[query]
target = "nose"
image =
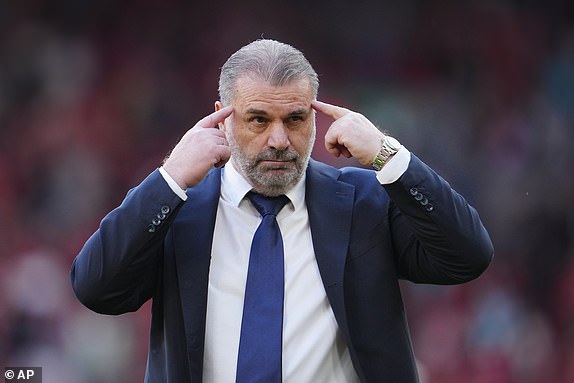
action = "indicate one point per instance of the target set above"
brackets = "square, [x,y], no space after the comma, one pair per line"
[278,136]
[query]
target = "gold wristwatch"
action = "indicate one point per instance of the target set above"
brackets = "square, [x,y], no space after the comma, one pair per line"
[389,147]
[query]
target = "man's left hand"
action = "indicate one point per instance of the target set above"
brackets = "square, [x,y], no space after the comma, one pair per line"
[351,134]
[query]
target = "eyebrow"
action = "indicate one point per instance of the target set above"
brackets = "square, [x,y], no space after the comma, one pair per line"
[261,112]
[298,112]
[256,111]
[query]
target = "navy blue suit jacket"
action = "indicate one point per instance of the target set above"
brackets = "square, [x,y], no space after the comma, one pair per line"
[366,237]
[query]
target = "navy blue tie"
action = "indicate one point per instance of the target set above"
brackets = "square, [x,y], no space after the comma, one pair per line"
[261,338]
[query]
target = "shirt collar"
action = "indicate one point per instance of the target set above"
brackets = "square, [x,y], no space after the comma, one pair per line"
[234,187]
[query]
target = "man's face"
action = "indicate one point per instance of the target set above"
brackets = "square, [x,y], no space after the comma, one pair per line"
[271,133]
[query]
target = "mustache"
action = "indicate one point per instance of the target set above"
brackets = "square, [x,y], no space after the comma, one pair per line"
[277,155]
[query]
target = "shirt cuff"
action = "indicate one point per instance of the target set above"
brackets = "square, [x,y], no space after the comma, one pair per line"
[173,185]
[395,167]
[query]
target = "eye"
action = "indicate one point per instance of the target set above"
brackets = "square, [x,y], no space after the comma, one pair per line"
[259,120]
[295,118]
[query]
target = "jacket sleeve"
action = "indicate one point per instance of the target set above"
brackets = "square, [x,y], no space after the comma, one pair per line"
[437,236]
[117,268]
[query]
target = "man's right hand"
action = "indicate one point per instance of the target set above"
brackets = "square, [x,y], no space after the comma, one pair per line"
[201,147]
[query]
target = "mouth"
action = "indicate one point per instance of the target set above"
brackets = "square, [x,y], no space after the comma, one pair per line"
[276,164]
[277,161]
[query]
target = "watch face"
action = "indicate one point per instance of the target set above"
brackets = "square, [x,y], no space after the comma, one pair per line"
[392,143]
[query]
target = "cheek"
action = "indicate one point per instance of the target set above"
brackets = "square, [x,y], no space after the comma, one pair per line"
[249,144]
[238,131]
[300,140]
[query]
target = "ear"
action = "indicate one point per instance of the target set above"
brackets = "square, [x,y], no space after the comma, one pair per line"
[218,106]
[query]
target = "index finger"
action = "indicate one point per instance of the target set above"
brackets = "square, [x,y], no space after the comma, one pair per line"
[216,117]
[331,110]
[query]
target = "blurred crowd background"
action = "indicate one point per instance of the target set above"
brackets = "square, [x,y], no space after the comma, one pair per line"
[93,94]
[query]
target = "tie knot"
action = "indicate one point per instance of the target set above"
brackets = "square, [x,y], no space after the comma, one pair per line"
[267,205]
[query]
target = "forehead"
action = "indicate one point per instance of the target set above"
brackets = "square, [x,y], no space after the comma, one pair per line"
[251,93]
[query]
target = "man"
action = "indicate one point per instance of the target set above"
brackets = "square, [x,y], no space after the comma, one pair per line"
[183,238]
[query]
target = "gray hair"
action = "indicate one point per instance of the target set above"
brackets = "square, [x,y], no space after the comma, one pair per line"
[269,60]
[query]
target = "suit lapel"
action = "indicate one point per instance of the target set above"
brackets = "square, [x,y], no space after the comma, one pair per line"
[330,207]
[193,236]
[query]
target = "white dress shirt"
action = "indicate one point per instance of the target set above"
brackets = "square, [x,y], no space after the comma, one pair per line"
[313,349]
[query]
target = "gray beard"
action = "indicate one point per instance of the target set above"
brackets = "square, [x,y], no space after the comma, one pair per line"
[261,178]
